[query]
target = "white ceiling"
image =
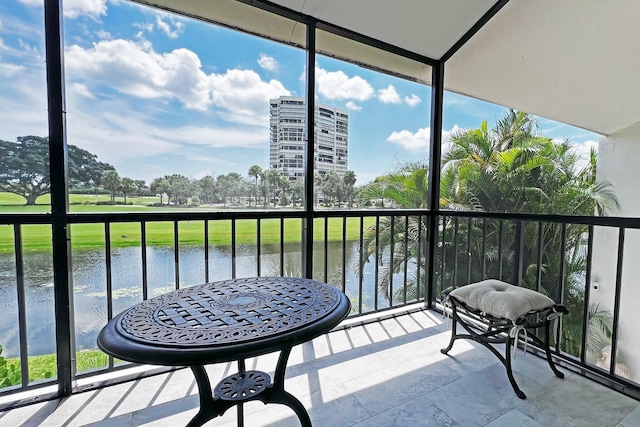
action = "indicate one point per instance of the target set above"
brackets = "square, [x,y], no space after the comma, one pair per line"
[574,61]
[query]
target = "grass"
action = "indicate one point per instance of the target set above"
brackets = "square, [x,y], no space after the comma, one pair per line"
[92,236]
[44,366]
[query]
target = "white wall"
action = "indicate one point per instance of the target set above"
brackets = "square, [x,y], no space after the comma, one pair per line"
[619,163]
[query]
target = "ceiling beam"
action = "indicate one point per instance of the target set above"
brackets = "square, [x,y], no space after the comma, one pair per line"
[340,31]
[473,30]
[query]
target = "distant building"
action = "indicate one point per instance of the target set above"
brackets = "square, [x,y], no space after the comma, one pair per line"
[287,144]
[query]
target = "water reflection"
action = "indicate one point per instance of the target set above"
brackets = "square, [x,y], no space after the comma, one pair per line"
[89,275]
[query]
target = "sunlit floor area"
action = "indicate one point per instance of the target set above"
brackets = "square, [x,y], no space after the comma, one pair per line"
[385,373]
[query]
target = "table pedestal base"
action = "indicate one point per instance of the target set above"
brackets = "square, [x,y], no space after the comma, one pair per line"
[243,387]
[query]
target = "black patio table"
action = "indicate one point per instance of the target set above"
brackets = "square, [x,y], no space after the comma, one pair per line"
[227,321]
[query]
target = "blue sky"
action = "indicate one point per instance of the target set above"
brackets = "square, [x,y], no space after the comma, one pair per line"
[155,94]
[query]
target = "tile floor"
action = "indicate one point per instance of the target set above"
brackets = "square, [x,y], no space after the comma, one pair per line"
[387,373]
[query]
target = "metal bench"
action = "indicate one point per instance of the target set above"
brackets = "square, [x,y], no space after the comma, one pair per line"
[494,312]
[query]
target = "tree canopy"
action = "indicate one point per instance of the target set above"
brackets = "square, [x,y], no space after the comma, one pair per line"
[24,167]
[512,168]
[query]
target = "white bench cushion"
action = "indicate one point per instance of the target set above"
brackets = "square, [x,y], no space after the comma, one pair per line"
[500,299]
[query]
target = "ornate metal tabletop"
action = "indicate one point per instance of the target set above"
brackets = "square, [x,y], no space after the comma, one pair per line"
[225,321]
[233,311]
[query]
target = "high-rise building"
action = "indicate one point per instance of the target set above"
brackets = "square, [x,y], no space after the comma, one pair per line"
[287,144]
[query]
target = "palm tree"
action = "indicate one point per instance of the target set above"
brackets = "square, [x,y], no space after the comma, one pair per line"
[349,181]
[406,187]
[255,172]
[159,186]
[511,168]
[127,186]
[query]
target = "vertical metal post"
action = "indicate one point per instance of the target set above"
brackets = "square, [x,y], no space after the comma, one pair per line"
[63,295]
[456,231]
[519,254]
[469,232]
[377,267]
[392,250]
[616,302]
[539,266]
[419,258]
[233,248]
[435,157]
[258,244]
[344,253]
[281,246]
[307,226]
[587,297]
[326,249]
[484,248]
[143,248]
[22,305]
[206,250]
[176,253]
[406,258]
[361,264]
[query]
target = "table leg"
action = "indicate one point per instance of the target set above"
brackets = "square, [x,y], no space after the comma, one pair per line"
[209,407]
[212,405]
[277,394]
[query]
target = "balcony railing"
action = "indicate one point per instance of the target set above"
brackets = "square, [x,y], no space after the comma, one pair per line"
[380,259]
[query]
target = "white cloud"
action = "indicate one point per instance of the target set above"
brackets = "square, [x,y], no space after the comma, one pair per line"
[172,33]
[418,141]
[389,95]
[353,106]
[81,89]
[267,62]
[134,68]
[412,100]
[75,8]
[244,95]
[103,35]
[10,70]
[337,85]
[145,26]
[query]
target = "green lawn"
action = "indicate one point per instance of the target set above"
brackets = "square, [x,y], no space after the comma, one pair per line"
[92,236]
[44,366]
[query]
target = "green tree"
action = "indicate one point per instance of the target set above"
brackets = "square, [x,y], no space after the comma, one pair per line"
[297,192]
[159,186]
[180,187]
[332,188]
[512,168]
[255,172]
[141,188]
[284,186]
[349,182]
[318,180]
[110,181]
[85,170]
[24,167]
[273,182]
[207,189]
[127,186]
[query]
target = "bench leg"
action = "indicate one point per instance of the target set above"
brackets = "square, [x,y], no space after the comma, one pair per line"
[453,335]
[547,350]
[507,364]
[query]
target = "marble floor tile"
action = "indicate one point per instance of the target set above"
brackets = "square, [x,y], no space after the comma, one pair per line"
[513,418]
[580,402]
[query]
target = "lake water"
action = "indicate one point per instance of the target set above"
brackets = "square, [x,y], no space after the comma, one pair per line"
[90,278]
